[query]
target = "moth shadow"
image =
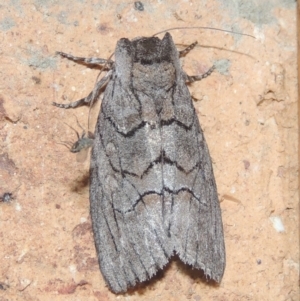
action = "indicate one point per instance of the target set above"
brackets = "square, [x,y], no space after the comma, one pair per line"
[81,183]
[144,287]
[195,274]
[182,268]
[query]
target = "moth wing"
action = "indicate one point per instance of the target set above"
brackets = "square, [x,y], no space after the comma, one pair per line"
[196,223]
[194,218]
[126,193]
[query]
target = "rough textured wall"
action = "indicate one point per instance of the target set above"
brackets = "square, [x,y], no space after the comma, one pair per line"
[248,111]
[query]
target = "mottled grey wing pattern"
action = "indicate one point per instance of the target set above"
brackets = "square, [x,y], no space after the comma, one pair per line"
[152,189]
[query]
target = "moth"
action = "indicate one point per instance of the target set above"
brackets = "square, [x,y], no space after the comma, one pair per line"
[152,188]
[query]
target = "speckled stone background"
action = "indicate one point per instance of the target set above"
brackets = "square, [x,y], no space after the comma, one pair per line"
[248,111]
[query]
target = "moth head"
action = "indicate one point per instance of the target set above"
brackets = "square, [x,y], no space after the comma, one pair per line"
[153,50]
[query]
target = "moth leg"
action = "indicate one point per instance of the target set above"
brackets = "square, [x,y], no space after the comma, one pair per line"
[92,61]
[90,98]
[187,49]
[190,79]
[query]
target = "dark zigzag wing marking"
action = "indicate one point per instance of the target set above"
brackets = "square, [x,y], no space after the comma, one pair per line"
[141,125]
[160,194]
[131,133]
[159,159]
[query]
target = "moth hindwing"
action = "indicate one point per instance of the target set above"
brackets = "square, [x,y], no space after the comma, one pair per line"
[152,188]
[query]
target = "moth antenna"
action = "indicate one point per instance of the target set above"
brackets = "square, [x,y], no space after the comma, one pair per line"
[204,27]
